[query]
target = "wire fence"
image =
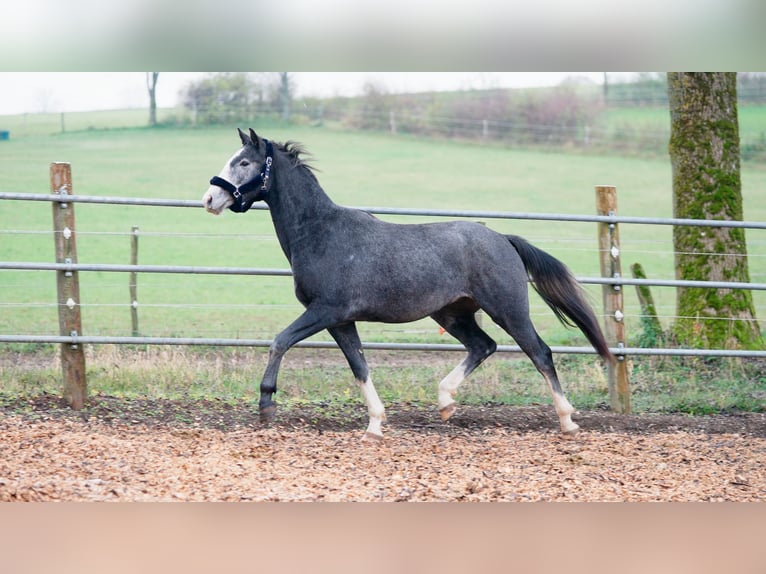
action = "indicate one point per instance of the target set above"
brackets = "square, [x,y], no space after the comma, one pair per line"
[70,267]
[478,118]
[69,304]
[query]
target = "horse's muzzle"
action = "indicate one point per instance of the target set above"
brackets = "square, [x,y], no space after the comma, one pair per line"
[207,203]
[215,200]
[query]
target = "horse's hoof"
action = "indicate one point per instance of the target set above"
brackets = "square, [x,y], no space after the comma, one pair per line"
[448,411]
[267,413]
[372,438]
[571,433]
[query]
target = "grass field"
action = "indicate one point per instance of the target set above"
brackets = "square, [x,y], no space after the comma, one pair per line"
[46,124]
[752,120]
[355,169]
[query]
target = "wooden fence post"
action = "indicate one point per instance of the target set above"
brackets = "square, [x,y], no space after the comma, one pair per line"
[133,281]
[614,315]
[70,319]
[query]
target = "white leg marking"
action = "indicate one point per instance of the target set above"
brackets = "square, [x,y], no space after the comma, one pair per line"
[448,386]
[375,408]
[564,410]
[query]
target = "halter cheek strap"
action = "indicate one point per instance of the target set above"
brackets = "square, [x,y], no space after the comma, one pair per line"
[243,195]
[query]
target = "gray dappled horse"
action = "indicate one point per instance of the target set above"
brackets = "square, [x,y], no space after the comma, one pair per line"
[349,266]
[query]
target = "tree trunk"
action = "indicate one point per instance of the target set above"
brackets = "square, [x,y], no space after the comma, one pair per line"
[704,153]
[151,86]
[285,94]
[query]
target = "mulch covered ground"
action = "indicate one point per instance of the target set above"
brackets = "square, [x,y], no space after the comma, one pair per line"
[134,450]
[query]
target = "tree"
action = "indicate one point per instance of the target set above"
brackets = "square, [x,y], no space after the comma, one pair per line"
[705,159]
[374,108]
[285,94]
[151,85]
[222,98]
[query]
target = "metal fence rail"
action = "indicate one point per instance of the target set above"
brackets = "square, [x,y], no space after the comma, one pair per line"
[63,198]
[106,267]
[218,342]
[198,270]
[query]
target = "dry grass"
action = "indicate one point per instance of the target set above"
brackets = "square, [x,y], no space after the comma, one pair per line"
[322,376]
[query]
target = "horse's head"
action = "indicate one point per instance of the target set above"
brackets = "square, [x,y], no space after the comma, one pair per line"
[244,179]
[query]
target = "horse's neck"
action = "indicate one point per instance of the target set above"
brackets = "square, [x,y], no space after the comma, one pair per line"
[298,207]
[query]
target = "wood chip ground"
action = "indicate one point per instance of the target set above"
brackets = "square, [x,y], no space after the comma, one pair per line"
[485,454]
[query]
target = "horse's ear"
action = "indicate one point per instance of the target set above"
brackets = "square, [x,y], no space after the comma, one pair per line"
[243,137]
[254,137]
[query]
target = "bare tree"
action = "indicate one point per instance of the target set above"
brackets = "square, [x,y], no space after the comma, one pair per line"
[151,85]
[705,157]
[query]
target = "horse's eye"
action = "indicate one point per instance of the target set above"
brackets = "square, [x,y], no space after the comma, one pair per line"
[244,163]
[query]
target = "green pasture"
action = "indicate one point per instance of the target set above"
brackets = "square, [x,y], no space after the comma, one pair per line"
[648,128]
[46,124]
[363,169]
[752,119]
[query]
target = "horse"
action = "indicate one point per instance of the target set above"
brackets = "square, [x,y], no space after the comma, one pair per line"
[350,266]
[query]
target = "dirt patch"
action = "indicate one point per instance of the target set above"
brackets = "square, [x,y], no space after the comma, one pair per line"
[327,416]
[118,449]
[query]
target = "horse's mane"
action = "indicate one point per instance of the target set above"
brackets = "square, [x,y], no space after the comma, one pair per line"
[298,154]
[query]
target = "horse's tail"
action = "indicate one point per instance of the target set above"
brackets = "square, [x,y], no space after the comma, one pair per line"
[560,290]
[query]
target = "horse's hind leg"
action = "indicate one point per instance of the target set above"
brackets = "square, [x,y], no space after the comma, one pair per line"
[543,360]
[523,332]
[348,340]
[464,328]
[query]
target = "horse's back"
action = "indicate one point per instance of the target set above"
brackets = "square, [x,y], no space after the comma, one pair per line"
[390,272]
[443,250]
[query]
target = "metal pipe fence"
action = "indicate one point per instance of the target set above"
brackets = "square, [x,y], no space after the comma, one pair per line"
[449,213]
[73,338]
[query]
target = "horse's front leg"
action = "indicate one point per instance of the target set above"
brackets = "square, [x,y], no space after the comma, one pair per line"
[266,405]
[348,340]
[309,323]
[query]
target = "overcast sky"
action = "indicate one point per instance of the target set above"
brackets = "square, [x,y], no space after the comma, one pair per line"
[22,92]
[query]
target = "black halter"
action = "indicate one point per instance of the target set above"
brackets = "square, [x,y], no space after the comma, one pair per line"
[243,195]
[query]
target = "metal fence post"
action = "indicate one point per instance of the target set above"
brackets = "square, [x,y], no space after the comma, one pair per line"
[614,315]
[70,319]
[133,281]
